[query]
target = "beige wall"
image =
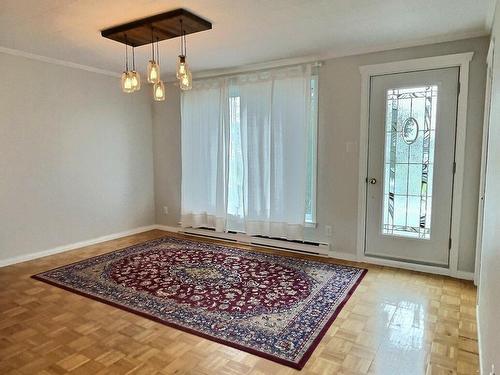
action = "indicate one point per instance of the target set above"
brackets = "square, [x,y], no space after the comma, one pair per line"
[76,158]
[167,157]
[339,119]
[339,126]
[489,283]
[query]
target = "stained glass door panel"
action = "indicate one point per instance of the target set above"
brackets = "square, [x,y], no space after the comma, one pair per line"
[410,127]
[411,143]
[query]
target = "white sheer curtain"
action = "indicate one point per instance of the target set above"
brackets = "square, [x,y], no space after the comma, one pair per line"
[274,115]
[247,169]
[204,162]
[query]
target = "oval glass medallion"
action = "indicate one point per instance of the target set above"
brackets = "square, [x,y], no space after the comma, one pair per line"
[410,130]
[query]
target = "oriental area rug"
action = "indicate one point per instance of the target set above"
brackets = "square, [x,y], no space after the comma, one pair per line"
[272,306]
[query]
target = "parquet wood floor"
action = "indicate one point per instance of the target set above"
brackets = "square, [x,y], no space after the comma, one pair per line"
[397,322]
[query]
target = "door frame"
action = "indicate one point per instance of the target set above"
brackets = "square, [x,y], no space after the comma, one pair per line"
[484,154]
[460,60]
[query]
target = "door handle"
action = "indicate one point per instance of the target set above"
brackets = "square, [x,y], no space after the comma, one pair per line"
[372,181]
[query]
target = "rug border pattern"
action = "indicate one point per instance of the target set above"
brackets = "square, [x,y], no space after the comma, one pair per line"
[296,365]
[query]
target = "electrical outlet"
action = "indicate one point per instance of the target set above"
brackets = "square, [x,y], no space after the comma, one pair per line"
[165,210]
[328,230]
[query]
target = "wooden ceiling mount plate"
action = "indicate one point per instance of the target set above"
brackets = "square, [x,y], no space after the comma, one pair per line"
[163,26]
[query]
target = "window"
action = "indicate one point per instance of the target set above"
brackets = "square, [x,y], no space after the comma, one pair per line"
[409,161]
[235,180]
[312,155]
[249,152]
[235,188]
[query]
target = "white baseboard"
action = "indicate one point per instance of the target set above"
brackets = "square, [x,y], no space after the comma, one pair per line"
[464,275]
[479,341]
[343,256]
[73,246]
[316,248]
[378,261]
[332,254]
[417,267]
[167,228]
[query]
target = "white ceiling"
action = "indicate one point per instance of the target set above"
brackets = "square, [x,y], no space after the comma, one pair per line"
[244,31]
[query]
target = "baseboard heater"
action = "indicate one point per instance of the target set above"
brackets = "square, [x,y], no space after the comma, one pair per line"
[306,247]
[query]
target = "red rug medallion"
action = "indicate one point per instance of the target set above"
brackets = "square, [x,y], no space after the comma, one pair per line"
[272,306]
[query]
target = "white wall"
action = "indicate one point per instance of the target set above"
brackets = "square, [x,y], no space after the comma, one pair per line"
[167,156]
[339,124]
[76,156]
[76,159]
[489,283]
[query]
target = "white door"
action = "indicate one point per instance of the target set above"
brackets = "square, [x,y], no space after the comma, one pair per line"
[410,172]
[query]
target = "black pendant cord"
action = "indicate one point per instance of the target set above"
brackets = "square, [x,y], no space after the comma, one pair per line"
[126,53]
[152,45]
[185,44]
[133,58]
[182,42]
[157,51]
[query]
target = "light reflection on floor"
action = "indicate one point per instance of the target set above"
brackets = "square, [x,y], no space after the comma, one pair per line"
[396,323]
[423,326]
[402,352]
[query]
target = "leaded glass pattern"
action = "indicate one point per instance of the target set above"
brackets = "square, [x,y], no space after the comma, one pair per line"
[410,128]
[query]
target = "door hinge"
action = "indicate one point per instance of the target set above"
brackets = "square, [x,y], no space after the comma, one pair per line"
[454,167]
[449,244]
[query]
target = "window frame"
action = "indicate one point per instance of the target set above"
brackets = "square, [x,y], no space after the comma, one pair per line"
[310,219]
[313,124]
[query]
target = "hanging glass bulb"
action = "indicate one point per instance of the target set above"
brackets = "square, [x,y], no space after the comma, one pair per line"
[159,91]
[182,72]
[127,83]
[153,71]
[158,87]
[182,67]
[186,81]
[153,66]
[135,80]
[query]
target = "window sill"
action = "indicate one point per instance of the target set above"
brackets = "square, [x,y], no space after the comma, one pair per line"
[310,225]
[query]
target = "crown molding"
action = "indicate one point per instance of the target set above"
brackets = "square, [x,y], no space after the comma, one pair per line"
[258,66]
[274,63]
[410,44]
[210,73]
[50,60]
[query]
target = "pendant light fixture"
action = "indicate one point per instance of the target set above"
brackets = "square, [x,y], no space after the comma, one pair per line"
[158,87]
[186,81]
[153,67]
[126,81]
[159,91]
[135,77]
[181,64]
[184,74]
[152,30]
[181,67]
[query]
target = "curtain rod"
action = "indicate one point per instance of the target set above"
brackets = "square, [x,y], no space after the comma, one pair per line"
[216,73]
